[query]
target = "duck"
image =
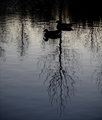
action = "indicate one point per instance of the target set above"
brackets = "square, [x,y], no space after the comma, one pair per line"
[51,34]
[64,26]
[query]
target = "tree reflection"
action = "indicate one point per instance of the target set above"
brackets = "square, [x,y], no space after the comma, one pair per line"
[97,74]
[59,70]
[94,44]
[23,42]
[2,53]
[2,49]
[61,83]
[92,35]
[3,35]
[98,78]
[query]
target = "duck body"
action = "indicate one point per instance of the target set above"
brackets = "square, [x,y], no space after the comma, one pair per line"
[52,34]
[64,26]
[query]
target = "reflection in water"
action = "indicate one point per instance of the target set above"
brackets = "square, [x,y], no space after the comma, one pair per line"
[3,36]
[2,51]
[93,35]
[98,75]
[22,94]
[62,78]
[61,81]
[59,69]
[23,44]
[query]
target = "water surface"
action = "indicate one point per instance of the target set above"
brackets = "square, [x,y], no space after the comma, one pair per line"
[50,80]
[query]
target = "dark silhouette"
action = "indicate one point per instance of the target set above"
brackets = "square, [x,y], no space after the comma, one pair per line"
[51,34]
[64,26]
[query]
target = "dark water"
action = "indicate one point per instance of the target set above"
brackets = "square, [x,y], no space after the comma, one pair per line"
[58,79]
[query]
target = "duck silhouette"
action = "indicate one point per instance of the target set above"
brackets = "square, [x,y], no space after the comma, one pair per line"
[51,34]
[64,26]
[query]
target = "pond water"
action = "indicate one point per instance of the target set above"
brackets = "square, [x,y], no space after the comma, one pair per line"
[58,79]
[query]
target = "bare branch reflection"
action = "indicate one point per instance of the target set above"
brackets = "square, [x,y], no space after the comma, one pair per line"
[3,37]
[59,71]
[98,78]
[99,81]
[2,53]
[92,38]
[23,42]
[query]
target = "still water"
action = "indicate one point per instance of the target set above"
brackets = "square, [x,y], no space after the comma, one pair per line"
[58,79]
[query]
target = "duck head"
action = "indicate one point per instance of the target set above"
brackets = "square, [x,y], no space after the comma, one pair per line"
[45,31]
[58,21]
